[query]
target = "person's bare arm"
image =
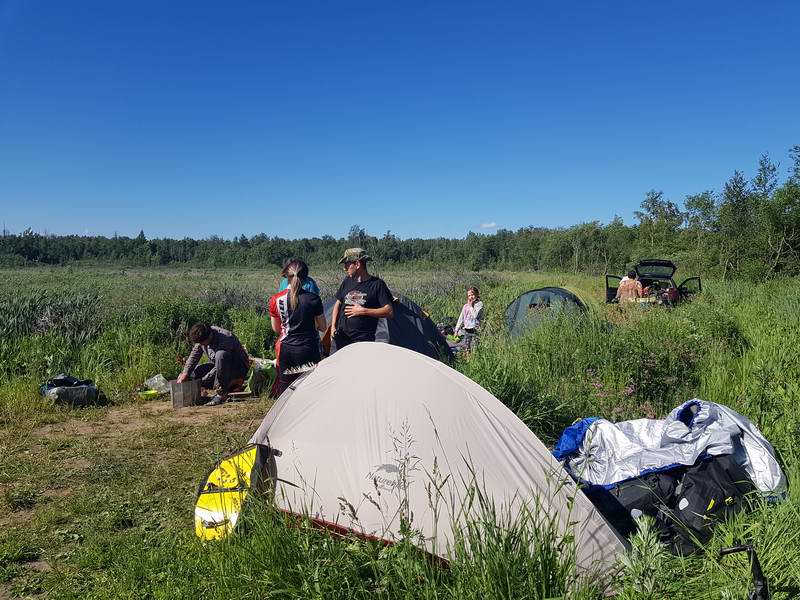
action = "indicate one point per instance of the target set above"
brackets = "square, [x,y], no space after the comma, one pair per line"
[322,325]
[276,324]
[335,316]
[355,310]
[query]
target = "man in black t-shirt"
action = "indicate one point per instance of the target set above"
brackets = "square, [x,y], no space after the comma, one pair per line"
[361,300]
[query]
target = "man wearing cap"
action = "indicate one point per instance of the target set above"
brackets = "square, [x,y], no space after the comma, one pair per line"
[365,299]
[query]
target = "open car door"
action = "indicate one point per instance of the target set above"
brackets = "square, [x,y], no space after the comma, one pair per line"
[690,287]
[612,284]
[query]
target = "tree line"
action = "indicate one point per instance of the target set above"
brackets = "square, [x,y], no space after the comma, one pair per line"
[750,229]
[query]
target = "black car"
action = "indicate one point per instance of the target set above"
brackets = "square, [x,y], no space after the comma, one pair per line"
[656,277]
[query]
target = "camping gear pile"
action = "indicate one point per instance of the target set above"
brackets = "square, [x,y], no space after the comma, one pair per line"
[700,465]
[410,441]
[66,390]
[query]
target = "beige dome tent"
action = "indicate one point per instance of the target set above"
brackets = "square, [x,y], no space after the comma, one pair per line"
[371,435]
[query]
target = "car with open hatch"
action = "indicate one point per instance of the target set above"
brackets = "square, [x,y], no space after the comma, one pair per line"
[657,278]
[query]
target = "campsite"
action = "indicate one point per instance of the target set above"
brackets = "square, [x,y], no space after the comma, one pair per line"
[99,502]
[399,300]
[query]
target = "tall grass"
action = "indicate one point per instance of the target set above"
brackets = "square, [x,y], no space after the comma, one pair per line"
[737,344]
[287,557]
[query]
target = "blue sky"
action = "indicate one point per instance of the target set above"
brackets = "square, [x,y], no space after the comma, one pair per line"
[423,118]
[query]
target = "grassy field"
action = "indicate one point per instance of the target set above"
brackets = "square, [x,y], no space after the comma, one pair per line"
[97,503]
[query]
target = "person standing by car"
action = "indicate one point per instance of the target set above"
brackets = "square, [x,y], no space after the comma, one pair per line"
[228,361]
[365,299]
[629,289]
[296,315]
[469,321]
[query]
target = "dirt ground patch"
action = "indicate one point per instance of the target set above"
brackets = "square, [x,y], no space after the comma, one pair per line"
[120,422]
[77,463]
[41,566]
[75,446]
[16,517]
[61,492]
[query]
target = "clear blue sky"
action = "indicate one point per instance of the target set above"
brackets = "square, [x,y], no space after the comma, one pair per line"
[423,118]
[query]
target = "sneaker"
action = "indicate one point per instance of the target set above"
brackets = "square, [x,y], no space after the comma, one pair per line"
[216,401]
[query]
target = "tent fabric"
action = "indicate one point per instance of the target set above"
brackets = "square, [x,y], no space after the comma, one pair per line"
[410,328]
[529,308]
[363,437]
[610,453]
[222,493]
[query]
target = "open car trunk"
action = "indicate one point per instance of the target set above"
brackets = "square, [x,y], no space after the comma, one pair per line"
[655,268]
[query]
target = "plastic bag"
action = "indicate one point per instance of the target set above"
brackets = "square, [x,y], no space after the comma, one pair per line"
[158,383]
[71,391]
[77,396]
[262,376]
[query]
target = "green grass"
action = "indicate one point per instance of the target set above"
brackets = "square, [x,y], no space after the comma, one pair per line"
[98,503]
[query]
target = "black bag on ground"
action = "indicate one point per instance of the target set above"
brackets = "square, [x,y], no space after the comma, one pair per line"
[66,390]
[651,494]
[711,491]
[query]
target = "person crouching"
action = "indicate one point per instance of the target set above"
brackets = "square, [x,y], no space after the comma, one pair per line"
[228,362]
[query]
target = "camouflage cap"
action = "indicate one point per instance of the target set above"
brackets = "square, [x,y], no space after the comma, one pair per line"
[354,254]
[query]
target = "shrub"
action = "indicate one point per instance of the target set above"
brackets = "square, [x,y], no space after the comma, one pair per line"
[168,321]
[75,317]
[253,330]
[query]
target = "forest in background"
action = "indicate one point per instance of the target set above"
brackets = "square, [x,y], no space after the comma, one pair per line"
[750,230]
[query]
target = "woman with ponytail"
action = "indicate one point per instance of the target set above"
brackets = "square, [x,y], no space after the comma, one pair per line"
[296,315]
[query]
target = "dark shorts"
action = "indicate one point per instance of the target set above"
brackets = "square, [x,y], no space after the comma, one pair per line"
[340,340]
[293,356]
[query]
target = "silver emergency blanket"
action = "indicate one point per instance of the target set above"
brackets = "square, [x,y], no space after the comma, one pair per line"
[613,452]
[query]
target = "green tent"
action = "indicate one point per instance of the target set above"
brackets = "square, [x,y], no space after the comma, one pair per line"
[531,307]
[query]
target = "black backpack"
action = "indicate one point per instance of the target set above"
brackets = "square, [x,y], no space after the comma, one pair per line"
[713,490]
[652,494]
